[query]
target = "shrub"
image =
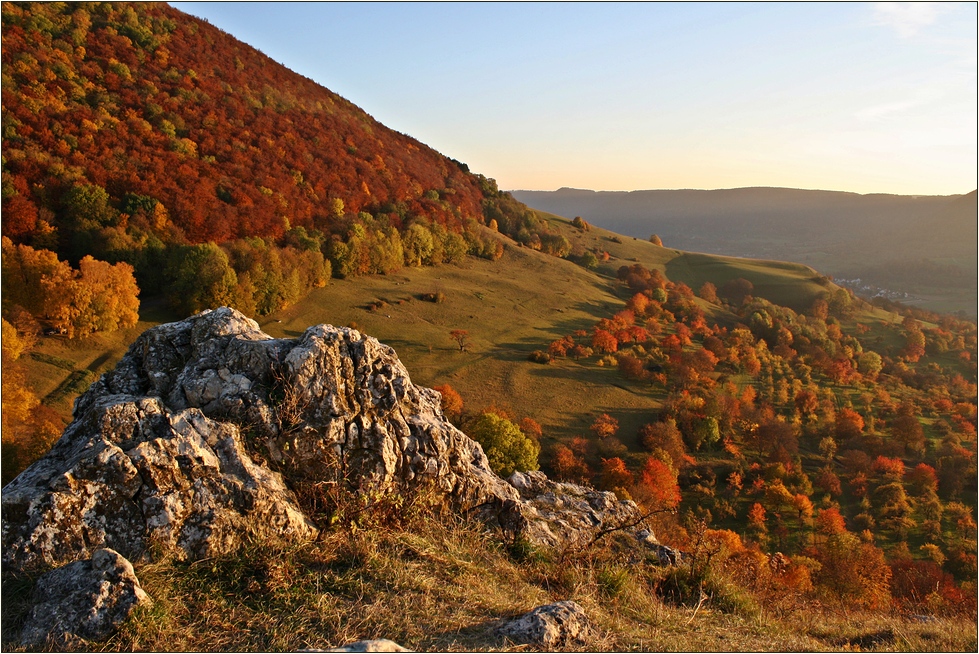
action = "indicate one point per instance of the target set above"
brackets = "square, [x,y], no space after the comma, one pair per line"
[686,586]
[539,356]
[507,448]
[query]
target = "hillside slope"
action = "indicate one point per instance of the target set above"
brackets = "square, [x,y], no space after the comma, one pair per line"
[925,246]
[143,99]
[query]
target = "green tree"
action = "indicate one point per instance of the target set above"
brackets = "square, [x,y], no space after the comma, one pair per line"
[200,277]
[507,448]
[86,207]
[870,364]
[418,245]
[589,260]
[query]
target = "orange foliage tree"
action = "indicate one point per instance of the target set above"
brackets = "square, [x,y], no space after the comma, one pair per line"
[605,426]
[657,485]
[616,477]
[569,466]
[451,401]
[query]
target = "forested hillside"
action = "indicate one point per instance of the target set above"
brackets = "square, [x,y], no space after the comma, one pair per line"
[142,100]
[135,133]
[810,453]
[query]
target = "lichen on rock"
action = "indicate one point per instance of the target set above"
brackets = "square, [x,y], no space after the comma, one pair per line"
[549,626]
[84,599]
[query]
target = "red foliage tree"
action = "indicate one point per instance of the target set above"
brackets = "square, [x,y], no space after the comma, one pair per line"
[605,342]
[922,479]
[888,468]
[657,485]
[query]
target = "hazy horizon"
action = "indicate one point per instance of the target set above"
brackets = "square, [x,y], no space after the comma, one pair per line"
[732,188]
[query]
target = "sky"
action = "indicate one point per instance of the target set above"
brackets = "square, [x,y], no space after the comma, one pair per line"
[861,97]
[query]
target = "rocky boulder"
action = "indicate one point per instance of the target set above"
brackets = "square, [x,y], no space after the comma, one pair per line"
[85,599]
[128,472]
[664,554]
[192,442]
[549,626]
[559,514]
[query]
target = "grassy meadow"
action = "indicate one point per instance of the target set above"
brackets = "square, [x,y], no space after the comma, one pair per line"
[416,583]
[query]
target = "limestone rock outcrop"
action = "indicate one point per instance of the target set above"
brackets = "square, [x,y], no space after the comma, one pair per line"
[166,448]
[128,473]
[559,514]
[191,442]
[549,626]
[84,599]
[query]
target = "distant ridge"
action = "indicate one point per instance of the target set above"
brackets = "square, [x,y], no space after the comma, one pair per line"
[915,244]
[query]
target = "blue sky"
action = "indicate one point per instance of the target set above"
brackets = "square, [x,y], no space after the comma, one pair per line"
[864,97]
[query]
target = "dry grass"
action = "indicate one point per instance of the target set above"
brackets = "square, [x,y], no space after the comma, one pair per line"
[441,584]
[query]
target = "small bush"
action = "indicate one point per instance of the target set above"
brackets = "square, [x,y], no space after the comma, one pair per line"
[612,581]
[521,550]
[681,586]
[438,297]
[539,356]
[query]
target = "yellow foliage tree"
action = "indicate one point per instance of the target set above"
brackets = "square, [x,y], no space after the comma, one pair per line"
[28,427]
[97,297]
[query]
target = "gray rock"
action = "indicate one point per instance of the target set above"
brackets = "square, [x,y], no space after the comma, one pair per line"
[378,645]
[170,449]
[167,448]
[665,554]
[559,514]
[85,599]
[549,626]
[128,472]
